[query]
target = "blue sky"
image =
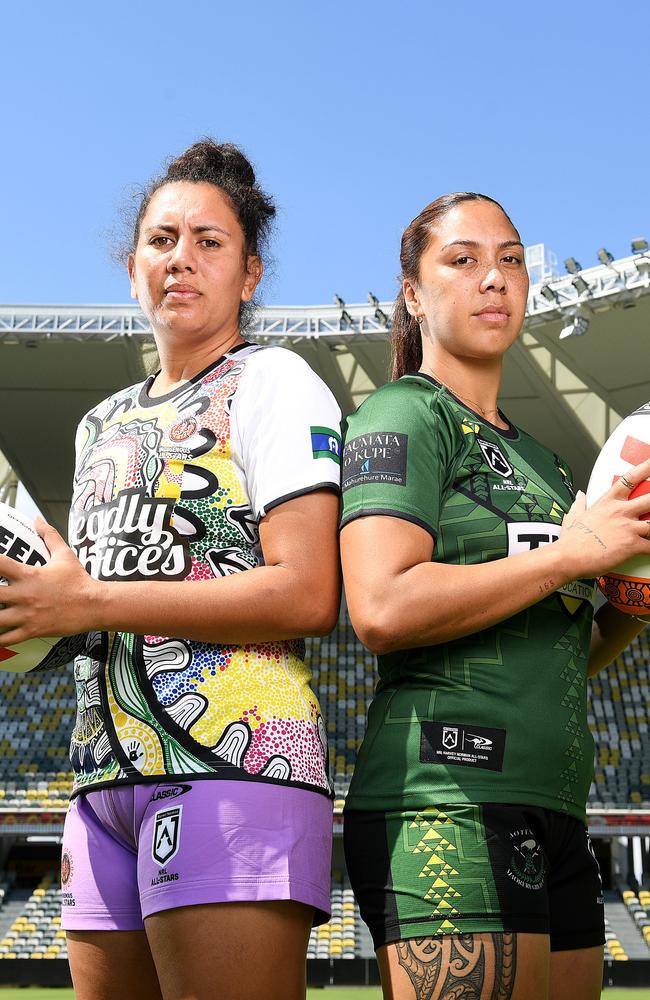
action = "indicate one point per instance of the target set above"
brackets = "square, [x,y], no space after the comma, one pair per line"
[355,114]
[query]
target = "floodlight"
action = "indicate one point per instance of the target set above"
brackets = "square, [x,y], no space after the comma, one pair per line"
[380,315]
[576,328]
[572,265]
[580,285]
[604,256]
[345,315]
[549,293]
[639,245]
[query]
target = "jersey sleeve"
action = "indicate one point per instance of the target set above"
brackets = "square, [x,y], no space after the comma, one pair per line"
[287,428]
[396,458]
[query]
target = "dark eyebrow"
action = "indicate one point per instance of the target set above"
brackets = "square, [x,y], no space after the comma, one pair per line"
[474,244]
[208,229]
[195,229]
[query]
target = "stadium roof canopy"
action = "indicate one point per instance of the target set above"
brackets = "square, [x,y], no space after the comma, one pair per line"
[569,391]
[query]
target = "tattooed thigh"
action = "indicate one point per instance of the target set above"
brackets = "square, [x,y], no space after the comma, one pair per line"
[460,966]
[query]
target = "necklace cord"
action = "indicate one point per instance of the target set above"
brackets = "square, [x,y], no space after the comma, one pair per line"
[463,399]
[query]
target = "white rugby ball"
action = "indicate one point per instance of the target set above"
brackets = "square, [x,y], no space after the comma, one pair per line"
[20,541]
[627,586]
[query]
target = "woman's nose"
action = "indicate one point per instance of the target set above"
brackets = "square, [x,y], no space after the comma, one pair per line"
[493,280]
[182,257]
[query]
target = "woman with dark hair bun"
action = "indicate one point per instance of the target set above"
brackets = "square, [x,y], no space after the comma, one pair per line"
[203,534]
[465,825]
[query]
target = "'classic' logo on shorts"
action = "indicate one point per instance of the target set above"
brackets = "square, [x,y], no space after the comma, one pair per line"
[166,835]
[378,457]
[170,792]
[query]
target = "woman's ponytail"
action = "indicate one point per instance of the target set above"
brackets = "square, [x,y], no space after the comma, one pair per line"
[406,338]
[405,341]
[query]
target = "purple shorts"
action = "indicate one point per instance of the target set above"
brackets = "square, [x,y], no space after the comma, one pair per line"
[132,851]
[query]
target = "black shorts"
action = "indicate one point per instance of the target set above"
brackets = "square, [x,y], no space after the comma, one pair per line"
[469,869]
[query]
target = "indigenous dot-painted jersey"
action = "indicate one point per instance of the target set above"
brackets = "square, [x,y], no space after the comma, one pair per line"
[173,488]
[500,715]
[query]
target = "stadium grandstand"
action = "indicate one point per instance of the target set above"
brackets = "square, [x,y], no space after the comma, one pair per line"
[574,374]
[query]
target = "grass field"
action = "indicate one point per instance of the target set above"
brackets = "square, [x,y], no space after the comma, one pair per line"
[329,993]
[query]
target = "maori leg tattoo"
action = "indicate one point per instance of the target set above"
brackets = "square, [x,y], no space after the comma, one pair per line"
[460,966]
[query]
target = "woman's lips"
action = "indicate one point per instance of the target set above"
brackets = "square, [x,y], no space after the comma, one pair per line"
[181,292]
[495,315]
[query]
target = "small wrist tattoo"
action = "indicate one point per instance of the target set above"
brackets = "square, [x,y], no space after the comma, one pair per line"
[546,586]
[586,530]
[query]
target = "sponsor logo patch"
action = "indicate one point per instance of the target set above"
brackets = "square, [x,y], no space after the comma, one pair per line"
[378,457]
[523,536]
[166,835]
[326,443]
[130,538]
[574,593]
[464,745]
[17,549]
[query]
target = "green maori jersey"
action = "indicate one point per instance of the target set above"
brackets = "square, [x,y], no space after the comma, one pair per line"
[500,715]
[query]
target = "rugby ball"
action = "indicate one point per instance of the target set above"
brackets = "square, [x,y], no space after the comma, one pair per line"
[627,586]
[20,541]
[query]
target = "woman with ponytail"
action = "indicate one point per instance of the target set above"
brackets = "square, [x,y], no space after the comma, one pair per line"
[203,527]
[465,825]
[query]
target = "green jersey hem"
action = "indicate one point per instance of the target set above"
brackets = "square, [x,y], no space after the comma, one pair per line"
[470,795]
[388,512]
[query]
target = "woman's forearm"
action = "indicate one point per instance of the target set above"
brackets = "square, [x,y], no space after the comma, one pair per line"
[434,602]
[266,603]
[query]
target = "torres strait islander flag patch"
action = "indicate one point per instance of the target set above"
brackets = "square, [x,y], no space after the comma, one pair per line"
[326,443]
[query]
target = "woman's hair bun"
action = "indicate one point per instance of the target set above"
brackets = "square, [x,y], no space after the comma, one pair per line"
[216,163]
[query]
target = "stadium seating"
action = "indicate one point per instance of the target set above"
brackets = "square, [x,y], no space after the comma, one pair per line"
[619,708]
[344,681]
[37,712]
[639,910]
[345,935]
[37,933]
[614,950]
